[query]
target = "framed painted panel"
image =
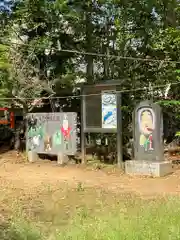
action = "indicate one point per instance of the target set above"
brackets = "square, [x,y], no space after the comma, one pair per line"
[52,133]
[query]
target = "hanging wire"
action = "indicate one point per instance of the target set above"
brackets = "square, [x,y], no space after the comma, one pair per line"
[93,94]
[99,55]
[148,59]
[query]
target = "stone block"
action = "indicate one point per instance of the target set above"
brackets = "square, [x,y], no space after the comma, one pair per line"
[148,168]
[32,156]
[62,159]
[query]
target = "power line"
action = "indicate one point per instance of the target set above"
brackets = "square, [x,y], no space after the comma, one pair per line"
[117,57]
[95,94]
[103,55]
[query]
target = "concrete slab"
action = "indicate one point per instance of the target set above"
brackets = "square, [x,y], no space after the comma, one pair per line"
[148,168]
[62,159]
[32,156]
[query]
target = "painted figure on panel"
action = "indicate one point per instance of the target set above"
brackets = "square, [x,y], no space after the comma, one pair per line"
[47,143]
[146,127]
[35,132]
[57,139]
[66,130]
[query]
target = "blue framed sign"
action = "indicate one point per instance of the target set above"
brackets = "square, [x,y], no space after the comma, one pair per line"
[109,109]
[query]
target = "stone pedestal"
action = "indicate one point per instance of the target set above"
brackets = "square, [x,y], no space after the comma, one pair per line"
[62,159]
[32,156]
[148,168]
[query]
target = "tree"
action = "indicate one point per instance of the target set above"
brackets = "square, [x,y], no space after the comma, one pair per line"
[37,65]
[48,34]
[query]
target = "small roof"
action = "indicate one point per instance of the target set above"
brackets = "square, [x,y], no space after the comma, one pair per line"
[102,83]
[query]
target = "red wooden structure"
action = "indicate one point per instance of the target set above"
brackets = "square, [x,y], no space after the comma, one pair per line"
[8,117]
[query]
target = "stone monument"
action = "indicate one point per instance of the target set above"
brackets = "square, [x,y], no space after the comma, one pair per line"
[148,142]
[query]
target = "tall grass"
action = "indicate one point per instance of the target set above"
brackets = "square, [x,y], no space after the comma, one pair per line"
[92,215]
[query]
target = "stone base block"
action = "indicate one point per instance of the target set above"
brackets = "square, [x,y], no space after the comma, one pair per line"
[32,156]
[146,168]
[62,159]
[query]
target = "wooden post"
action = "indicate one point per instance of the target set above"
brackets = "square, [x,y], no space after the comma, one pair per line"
[12,120]
[83,150]
[119,131]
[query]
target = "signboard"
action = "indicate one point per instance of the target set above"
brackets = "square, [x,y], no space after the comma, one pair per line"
[109,110]
[52,133]
[101,112]
[99,108]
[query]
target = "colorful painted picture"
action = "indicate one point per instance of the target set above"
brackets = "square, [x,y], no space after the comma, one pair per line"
[35,133]
[66,131]
[109,110]
[146,121]
[47,143]
[57,139]
[52,133]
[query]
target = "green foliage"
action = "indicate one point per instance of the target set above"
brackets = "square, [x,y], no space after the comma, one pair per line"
[18,231]
[169,103]
[134,219]
[177,134]
[38,67]
[5,83]
[102,217]
[4,64]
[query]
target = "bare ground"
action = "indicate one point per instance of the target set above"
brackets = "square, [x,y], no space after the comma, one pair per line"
[16,175]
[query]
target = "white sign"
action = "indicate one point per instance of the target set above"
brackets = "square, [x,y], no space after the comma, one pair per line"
[109,110]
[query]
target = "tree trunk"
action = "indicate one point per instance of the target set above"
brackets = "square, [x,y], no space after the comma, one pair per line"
[89,58]
[106,51]
[170,13]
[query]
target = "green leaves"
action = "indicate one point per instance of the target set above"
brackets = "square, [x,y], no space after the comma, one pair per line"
[177,134]
[4,64]
[38,67]
[169,102]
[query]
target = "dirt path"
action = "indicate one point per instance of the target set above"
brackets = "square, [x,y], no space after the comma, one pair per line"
[29,176]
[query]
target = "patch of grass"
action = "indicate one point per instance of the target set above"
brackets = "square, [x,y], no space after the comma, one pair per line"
[144,220]
[19,231]
[80,213]
[80,187]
